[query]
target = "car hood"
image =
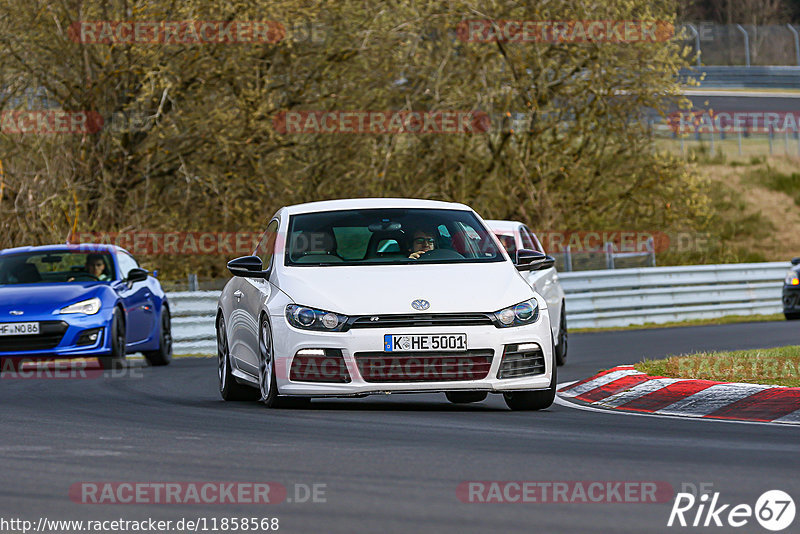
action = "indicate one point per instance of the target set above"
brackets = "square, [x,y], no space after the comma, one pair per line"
[38,299]
[390,289]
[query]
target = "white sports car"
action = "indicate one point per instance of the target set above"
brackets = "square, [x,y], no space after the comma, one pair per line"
[364,296]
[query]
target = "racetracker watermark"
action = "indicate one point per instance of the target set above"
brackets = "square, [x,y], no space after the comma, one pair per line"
[559,492]
[21,368]
[172,243]
[185,32]
[709,121]
[381,122]
[50,122]
[206,492]
[564,31]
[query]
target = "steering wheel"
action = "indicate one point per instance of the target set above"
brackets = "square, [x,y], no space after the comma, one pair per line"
[441,254]
[77,276]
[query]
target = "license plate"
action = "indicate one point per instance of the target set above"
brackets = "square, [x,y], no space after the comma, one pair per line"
[424,342]
[19,329]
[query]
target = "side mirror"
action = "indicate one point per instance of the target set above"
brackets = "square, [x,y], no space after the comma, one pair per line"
[533,260]
[795,261]
[247,266]
[136,275]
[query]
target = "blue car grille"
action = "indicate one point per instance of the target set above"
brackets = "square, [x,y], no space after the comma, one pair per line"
[49,336]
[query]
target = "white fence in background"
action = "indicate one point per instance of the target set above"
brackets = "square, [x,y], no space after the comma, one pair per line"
[594,298]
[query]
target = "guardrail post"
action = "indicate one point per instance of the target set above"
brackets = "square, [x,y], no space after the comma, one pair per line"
[193,285]
[568,259]
[651,248]
[609,248]
[770,139]
[746,45]
[796,43]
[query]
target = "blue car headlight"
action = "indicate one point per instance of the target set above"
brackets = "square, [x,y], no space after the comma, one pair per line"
[89,307]
[312,319]
[521,314]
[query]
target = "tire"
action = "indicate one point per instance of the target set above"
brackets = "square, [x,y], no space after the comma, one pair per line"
[163,355]
[229,388]
[466,397]
[267,380]
[534,400]
[561,348]
[118,343]
[792,316]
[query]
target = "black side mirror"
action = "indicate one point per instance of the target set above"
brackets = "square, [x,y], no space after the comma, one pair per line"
[533,260]
[248,267]
[136,275]
[795,261]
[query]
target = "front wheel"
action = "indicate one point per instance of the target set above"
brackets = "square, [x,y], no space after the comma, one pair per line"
[267,381]
[561,348]
[534,400]
[163,355]
[118,343]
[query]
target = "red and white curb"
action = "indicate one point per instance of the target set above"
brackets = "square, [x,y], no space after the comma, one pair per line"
[624,388]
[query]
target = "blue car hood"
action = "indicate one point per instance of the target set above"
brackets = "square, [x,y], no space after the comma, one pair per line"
[37,299]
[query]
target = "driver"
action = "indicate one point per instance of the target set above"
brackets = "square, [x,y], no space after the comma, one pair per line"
[95,266]
[422,241]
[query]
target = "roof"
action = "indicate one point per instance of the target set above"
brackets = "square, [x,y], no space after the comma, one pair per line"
[503,226]
[74,247]
[373,203]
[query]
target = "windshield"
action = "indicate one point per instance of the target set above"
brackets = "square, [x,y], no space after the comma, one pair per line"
[61,266]
[388,236]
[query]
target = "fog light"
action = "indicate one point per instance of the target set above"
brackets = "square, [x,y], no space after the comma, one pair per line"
[90,337]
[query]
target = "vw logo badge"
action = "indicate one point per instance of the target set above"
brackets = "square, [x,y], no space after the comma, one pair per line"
[16,312]
[420,304]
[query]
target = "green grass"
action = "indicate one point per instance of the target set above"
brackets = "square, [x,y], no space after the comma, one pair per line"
[777,181]
[779,366]
[730,319]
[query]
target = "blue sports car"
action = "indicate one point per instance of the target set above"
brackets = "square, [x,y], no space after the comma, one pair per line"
[71,301]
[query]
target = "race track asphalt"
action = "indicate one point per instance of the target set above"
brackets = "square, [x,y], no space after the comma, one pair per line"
[390,463]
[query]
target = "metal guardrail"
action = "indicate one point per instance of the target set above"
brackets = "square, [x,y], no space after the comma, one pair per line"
[759,77]
[662,294]
[594,298]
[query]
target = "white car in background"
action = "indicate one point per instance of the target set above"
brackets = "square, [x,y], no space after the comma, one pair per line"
[337,300]
[515,236]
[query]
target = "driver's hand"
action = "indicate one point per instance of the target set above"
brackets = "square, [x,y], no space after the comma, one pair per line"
[417,254]
[72,279]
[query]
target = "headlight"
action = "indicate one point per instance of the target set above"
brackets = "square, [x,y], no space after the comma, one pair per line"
[518,315]
[792,278]
[89,307]
[313,319]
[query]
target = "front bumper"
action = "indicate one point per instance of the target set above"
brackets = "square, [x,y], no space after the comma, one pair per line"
[52,343]
[287,341]
[791,299]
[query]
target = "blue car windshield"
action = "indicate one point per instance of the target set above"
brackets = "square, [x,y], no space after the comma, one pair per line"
[63,266]
[388,236]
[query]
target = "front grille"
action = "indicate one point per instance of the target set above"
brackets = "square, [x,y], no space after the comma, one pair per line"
[790,301]
[521,360]
[319,365]
[421,319]
[424,366]
[49,336]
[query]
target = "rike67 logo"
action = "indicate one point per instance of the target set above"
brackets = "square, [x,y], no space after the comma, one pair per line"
[774,510]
